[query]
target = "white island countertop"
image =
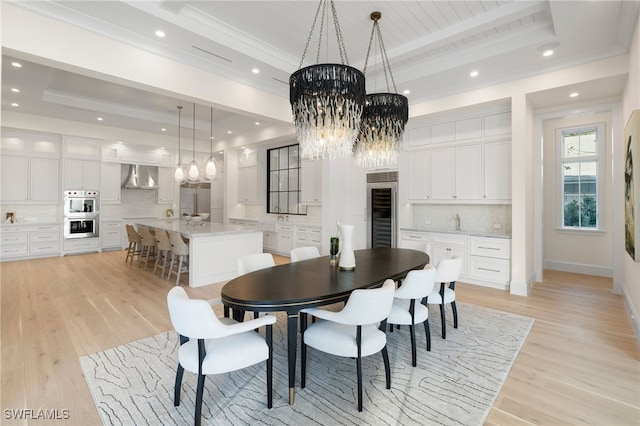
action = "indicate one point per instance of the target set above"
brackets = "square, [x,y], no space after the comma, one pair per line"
[191,229]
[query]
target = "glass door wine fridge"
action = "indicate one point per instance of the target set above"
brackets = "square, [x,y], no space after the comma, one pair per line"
[382,190]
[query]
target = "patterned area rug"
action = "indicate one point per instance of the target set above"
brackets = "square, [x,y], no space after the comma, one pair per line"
[454,384]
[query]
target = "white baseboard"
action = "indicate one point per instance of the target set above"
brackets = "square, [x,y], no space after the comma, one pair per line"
[522,288]
[579,268]
[633,315]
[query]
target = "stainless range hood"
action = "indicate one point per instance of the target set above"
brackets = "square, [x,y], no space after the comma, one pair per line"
[139,177]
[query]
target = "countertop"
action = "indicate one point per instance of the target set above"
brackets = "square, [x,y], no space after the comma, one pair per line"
[498,234]
[194,229]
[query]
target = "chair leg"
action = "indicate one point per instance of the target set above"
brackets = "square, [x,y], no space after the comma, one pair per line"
[359,373]
[444,321]
[427,332]
[199,392]
[180,260]
[387,366]
[173,257]
[270,367]
[455,314]
[155,265]
[412,330]
[176,390]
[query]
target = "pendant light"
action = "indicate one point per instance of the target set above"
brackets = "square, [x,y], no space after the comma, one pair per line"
[383,118]
[211,166]
[326,99]
[180,173]
[193,173]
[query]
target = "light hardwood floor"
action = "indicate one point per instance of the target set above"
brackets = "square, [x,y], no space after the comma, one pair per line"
[579,365]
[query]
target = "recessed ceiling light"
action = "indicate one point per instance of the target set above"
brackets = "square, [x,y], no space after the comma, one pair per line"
[160,33]
[15,90]
[13,104]
[16,64]
[406,92]
[257,123]
[255,71]
[574,95]
[473,73]
[99,119]
[163,130]
[120,142]
[229,131]
[547,53]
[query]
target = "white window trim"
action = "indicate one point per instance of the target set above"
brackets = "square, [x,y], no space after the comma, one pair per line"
[600,158]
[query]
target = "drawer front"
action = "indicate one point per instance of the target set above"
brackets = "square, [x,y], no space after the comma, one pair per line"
[81,244]
[111,225]
[416,236]
[487,269]
[491,247]
[44,247]
[450,239]
[15,250]
[45,228]
[13,238]
[284,228]
[44,236]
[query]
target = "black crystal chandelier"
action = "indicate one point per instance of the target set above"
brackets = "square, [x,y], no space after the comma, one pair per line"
[384,115]
[327,99]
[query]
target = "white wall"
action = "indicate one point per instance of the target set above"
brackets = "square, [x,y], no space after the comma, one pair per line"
[630,280]
[571,251]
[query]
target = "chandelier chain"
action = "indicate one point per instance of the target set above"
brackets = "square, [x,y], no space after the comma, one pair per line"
[386,66]
[341,47]
[306,46]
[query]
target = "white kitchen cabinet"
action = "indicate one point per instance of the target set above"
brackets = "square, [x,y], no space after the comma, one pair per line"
[248,184]
[457,173]
[81,175]
[81,245]
[110,183]
[27,179]
[285,238]
[497,170]
[416,241]
[15,178]
[269,237]
[489,261]
[29,241]
[167,186]
[311,182]
[419,175]
[308,236]
[111,234]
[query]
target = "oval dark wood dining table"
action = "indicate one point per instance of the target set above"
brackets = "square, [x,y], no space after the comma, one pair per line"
[298,285]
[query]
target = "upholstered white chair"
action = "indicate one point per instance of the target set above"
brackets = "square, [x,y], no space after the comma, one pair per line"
[448,272]
[134,243]
[212,345]
[407,306]
[304,253]
[148,246]
[357,331]
[253,262]
[163,245]
[179,252]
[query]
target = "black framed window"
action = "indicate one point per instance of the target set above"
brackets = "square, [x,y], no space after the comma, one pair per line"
[283,181]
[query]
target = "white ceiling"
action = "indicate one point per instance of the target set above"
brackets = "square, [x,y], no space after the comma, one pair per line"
[432,47]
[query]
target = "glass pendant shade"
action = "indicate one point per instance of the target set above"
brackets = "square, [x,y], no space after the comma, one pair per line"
[193,171]
[211,169]
[382,130]
[180,172]
[327,100]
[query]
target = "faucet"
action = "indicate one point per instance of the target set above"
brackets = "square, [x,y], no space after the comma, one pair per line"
[458,222]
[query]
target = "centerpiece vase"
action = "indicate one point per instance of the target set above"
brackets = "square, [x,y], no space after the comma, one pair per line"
[347,256]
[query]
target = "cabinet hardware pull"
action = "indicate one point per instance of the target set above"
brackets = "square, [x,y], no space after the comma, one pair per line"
[488,248]
[487,269]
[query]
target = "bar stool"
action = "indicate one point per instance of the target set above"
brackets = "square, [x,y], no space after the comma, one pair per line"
[164,250]
[180,250]
[134,244]
[148,243]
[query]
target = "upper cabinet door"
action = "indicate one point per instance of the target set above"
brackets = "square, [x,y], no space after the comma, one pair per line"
[469,172]
[420,175]
[311,182]
[166,185]
[110,183]
[45,179]
[81,175]
[443,174]
[14,172]
[497,170]
[91,175]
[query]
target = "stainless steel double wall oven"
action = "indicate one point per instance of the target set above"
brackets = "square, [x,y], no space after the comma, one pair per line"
[81,214]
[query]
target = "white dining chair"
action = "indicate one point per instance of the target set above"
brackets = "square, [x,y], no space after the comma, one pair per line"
[448,272]
[303,253]
[407,306]
[212,345]
[253,262]
[357,331]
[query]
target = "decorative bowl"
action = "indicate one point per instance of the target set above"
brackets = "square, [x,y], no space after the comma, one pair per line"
[196,218]
[204,216]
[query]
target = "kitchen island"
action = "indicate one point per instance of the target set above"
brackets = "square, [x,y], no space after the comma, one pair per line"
[214,248]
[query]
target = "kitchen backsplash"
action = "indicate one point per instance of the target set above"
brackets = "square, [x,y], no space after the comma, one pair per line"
[33,213]
[473,217]
[136,203]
